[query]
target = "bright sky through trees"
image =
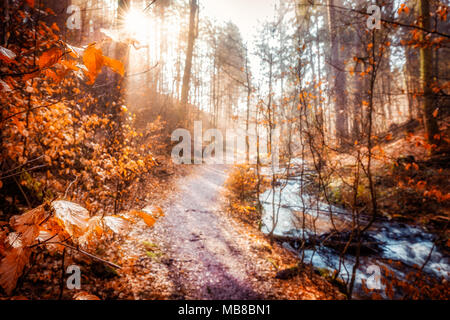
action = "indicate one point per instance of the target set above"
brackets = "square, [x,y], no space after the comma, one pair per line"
[244,13]
[247,15]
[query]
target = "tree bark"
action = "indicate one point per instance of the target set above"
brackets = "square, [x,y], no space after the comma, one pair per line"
[189,53]
[339,75]
[121,49]
[249,96]
[426,69]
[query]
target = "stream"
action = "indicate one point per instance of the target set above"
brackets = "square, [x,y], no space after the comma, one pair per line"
[299,216]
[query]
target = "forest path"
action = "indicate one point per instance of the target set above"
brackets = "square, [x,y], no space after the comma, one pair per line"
[204,253]
[208,259]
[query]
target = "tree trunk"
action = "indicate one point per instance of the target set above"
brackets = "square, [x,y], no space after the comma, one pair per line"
[121,49]
[339,75]
[426,69]
[60,17]
[190,49]
[249,96]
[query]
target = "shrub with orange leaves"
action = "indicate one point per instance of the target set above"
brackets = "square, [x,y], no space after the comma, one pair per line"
[242,182]
[62,138]
[57,130]
[241,190]
[417,285]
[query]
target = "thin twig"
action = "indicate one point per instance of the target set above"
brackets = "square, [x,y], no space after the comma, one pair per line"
[85,253]
[139,73]
[19,173]
[18,167]
[70,184]
[149,5]
[61,283]
[23,192]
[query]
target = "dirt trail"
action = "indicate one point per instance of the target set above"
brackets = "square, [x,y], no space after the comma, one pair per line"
[208,255]
[207,259]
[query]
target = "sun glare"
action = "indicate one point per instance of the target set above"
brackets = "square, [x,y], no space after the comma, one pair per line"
[138,25]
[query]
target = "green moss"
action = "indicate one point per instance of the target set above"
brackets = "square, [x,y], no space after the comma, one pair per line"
[152,250]
[324,272]
[149,245]
[273,263]
[335,195]
[154,255]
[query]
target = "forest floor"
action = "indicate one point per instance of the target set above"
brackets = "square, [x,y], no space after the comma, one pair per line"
[197,251]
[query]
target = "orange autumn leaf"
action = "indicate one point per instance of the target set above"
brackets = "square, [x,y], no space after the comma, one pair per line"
[435,113]
[52,75]
[421,184]
[71,216]
[50,11]
[49,58]
[83,295]
[18,249]
[19,298]
[55,27]
[7,55]
[148,219]
[159,211]
[27,224]
[30,3]
[94,60]
[70,64]
[115,223]
[155,211]
[403,8]
[32,75]
[115,65]
[11,267]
